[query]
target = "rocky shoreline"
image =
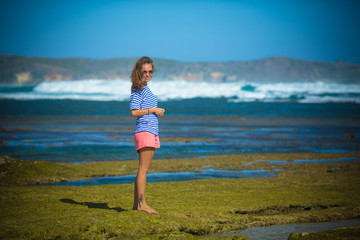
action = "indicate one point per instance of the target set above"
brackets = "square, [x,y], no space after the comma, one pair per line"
[301,193]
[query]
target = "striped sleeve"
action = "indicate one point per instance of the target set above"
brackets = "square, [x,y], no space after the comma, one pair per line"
[135,100]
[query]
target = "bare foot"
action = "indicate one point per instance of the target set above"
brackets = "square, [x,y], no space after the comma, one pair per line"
[147,209]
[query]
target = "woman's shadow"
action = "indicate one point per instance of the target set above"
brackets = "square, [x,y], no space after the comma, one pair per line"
[92,205]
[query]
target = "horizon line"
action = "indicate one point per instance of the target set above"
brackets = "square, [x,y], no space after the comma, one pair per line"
[169,59]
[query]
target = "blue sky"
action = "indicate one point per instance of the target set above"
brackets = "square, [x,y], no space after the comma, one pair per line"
[190,31]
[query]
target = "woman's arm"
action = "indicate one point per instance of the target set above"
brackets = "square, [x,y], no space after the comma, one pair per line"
[141,112]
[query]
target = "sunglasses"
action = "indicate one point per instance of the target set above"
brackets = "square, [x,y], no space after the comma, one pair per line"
[150,72]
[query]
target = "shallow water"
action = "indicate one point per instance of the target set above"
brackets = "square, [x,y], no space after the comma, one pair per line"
[169,177]
[87,139]
[282,232]
[86,131]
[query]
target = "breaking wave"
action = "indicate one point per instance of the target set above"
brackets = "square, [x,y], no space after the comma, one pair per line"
[119,90]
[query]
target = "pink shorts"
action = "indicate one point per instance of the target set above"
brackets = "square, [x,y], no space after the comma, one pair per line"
[146,139]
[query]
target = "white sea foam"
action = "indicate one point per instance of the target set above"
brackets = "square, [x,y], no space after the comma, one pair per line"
[119,90]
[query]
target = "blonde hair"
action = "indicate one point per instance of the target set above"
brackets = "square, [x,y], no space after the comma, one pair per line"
[136,74]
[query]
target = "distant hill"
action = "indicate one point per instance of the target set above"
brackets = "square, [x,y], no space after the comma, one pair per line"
[31,70]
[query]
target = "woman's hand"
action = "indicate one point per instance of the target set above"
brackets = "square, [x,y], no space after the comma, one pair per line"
[158,111]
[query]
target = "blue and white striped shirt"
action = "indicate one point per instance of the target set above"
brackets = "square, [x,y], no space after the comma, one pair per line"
[144,99]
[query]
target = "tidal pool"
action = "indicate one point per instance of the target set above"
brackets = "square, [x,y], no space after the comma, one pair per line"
[169,177]
[282,232]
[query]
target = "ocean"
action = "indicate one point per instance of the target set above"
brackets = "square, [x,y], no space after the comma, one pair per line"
[89,120]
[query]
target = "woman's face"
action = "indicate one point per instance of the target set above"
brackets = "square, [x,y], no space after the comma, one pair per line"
[147,71]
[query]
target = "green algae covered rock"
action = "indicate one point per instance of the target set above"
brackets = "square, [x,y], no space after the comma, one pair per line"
[297,236]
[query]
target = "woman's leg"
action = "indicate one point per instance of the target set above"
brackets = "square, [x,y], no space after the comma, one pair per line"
[145,157]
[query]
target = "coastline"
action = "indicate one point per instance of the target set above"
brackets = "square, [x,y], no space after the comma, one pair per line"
[63,140]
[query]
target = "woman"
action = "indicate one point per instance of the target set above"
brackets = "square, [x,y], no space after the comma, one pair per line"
[143,105]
